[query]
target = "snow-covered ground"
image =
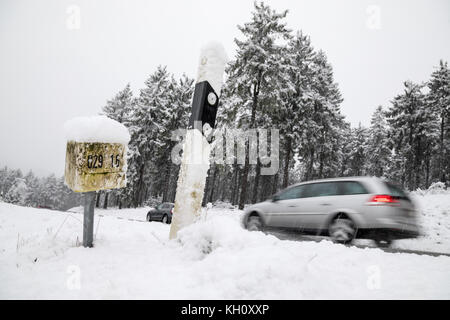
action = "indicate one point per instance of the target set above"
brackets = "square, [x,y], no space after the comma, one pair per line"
[130,214]
[40,257]
[434,219]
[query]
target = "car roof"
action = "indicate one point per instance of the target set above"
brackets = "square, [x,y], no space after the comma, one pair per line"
[354,178]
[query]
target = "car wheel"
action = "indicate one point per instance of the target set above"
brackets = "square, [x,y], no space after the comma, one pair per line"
[149,217]
[342,230]
[383,243]
[165,219]
[254,223]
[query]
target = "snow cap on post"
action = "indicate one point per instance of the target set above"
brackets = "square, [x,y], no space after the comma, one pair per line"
[211,67]
[96,129]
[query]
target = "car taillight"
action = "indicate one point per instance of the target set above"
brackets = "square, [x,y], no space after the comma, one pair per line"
[171,211]
[382,198]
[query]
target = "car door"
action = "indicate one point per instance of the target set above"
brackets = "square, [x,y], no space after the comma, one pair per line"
[166,209]
[158,212]
[353,197]
[317,201]
[281,210]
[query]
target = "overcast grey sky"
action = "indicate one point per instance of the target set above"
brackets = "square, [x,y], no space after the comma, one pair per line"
[51,71]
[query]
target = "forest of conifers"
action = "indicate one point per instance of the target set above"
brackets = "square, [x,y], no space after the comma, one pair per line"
[276,80]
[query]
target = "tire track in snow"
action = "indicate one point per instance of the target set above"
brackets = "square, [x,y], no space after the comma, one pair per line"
[294,236]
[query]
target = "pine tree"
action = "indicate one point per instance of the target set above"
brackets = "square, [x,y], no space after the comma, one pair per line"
[439,100]
[18,192]
[414,133]
[357,153]
[321,140]
[175,116]
[117,107]
[255,72]
[32,183]
[144,123]
[300,55]
[378,146]
[396,167]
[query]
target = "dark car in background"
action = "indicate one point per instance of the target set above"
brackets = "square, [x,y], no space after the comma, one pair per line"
[162,212]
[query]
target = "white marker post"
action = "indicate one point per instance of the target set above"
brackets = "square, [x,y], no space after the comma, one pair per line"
[196,148]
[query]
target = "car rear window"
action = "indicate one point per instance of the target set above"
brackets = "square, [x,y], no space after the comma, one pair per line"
[322,189]
[396,191]
[351,187]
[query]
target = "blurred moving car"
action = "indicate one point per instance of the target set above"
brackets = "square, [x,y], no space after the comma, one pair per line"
[163,212]
[342,208]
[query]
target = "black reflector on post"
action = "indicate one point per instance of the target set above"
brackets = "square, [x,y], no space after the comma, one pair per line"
[204,105]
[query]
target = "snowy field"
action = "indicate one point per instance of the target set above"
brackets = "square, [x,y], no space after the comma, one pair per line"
[41,258]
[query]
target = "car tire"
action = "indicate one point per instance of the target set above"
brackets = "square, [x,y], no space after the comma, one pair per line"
[254,223]
[342,230]
[149,217]
[165,219]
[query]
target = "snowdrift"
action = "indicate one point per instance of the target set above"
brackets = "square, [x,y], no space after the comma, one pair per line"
[40,257]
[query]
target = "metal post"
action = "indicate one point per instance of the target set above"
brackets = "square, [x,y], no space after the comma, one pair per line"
[88,219]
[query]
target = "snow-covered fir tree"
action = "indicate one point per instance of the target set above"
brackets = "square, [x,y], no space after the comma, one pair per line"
[117,107]
[378,145]
[357,151]
[414,134]
[321,147]
[439,100]
[299,65]
[257,74]
[18,192]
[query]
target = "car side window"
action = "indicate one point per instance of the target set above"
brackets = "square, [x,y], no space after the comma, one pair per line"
[160,206]
[321,189]
[291,193]
[352,187]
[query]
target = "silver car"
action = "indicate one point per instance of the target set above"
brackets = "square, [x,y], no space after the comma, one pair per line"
[342,208]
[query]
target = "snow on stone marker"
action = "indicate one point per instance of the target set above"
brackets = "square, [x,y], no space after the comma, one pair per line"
[196,148]
[95,160]
[95,154]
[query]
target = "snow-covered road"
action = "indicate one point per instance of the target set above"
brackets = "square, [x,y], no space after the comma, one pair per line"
[40,257]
